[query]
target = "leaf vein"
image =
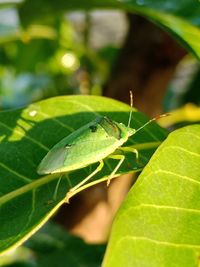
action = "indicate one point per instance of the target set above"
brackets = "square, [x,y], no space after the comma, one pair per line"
[45,115]
[24,178]
[164,207]
[26,188]
[146,130]
[25,136]
[194,135]
[158,242]
[84,106]
[182,149]
[178,175]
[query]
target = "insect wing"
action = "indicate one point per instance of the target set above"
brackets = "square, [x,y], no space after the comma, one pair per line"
[54,160]
[87,145]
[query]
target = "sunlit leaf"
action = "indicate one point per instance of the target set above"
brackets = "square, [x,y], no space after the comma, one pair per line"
[27,200]
[158,224]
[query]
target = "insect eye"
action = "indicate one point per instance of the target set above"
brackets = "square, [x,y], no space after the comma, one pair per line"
[93,128]
[67,145]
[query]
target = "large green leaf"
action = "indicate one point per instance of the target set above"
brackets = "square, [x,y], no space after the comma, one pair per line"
[178,18]
[27,200]
[159,223]
[52,246]
[187,9]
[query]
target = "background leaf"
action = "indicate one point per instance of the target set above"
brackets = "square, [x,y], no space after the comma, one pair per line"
[52,246]
[181,19]
[159,223]
[28,200]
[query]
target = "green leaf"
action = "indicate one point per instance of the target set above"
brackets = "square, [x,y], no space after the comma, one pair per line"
[27,200]
[52,246]
[187,34]
[181,19]
[158,224]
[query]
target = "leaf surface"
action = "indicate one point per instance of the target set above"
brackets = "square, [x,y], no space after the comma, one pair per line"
[159,222]
[52,246]
[27,200]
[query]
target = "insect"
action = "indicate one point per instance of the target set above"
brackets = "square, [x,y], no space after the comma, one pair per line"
[99,139]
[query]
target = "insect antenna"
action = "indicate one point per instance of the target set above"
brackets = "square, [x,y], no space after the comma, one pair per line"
[151,120]
[131,110]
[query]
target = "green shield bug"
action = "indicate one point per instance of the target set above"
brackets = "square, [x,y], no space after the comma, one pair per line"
[99,139]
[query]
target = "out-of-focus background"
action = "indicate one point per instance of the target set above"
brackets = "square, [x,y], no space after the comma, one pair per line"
[70,53]
[45,53]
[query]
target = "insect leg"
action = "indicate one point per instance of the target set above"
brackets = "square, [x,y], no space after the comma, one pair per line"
[98,169]
[56,189]
[130,149]
[121,158]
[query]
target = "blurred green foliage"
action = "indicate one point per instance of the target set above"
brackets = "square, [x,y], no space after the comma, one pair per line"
[52,246]
[42,54]
[48,60]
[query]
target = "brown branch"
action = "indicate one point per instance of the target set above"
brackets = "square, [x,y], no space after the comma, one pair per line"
[145,65]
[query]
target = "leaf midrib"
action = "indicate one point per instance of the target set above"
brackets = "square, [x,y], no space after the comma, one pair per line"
[27,187]
[39,182]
